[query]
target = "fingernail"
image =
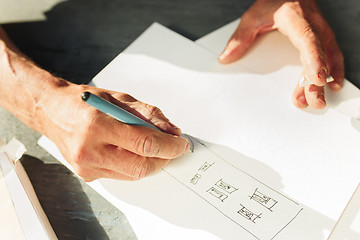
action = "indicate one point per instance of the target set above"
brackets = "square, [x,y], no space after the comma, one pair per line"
[322,75]
[221,58]
[329,78]
[187,148]
[321,98]
[223,55]
[302,101]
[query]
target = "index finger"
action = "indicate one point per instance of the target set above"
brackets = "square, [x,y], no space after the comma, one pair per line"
[290,20]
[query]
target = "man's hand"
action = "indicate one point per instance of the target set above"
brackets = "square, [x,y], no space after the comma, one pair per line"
[95,144]
[98,146]
[309,32]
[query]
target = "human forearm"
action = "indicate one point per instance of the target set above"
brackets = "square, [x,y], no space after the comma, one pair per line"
[95,144]
[23,84]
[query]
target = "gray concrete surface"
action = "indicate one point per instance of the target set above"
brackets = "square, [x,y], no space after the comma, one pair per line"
[75,39]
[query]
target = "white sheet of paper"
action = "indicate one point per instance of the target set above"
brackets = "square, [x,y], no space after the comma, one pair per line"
[22,216]
[274,57]
[246,119]
[261,60]
[9,226]
[349,223]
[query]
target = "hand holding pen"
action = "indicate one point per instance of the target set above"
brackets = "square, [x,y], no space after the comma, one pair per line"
[99,146]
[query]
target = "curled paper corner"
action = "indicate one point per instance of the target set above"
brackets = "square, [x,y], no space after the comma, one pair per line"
[15,149]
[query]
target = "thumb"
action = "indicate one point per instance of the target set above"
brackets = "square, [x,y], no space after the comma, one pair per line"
[242,39]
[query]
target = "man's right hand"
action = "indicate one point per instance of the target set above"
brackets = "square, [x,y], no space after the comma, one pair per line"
[98,146]
[95,144]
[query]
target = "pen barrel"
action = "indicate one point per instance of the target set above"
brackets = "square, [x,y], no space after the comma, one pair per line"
[115,111]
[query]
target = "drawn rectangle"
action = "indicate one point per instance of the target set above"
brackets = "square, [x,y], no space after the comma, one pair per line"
[225,186]
[248,214]
[205,166]
[195,179]
[263,199]
[218,194]
[217,188]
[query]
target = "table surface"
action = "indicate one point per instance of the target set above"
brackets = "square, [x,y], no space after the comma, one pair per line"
[78,38]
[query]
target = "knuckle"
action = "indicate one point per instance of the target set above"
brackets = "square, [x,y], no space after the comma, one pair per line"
[152,110]
[126,97]
[141,169]
[292,6]
[288,10]
[308,33]
[80,162]
[80,157]
[147,145]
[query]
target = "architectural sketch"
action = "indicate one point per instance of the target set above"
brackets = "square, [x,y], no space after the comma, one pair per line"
[225,186]
[264,200]
[246,213]
[195,179]
[205,166]
[218,194]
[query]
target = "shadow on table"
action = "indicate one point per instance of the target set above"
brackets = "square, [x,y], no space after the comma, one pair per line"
[79,38]
[63,199]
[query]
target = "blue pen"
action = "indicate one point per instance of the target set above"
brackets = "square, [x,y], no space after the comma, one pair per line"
[120,114]
[114,111]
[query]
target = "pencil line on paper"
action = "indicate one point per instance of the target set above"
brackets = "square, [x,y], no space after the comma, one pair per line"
[263,212]
[287,224]
[245,172]
[212,205]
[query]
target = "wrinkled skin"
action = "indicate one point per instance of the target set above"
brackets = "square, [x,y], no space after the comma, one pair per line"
[301,21]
